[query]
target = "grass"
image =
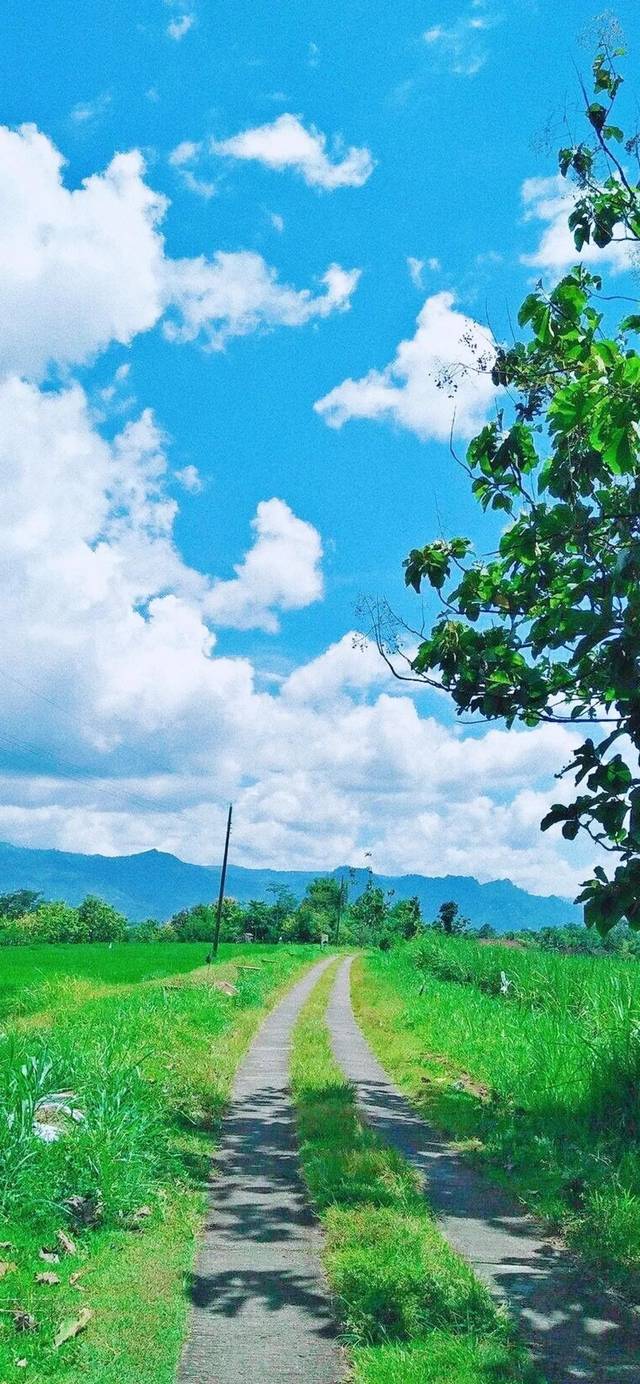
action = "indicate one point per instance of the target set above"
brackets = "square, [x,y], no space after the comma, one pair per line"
[538,1079]
[149,1049]
[411,1309]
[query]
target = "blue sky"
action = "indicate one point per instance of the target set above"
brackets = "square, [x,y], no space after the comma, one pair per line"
[424,140]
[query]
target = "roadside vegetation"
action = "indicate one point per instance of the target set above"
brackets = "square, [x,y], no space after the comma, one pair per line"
[115,1065]
[532,1061]
[412,1311]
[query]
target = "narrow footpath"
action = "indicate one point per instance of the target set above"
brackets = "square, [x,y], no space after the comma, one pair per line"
[261,1307]
[574,1329]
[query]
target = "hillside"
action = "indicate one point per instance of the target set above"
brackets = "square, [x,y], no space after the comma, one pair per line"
[156,884]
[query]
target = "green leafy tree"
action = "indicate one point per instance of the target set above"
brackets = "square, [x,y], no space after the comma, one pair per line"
[21,901]
[368,916]
[99,922]
[193,924]
[53,921]
[548,628]
[450,919]
[405,918]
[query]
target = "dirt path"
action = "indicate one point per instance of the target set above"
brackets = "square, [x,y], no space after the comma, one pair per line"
[575,1330]
[261,1308]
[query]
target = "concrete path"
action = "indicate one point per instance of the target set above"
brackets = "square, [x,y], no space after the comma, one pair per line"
[261,1307]
[574,1329]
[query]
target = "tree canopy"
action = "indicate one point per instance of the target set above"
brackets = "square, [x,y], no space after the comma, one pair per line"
[547,628]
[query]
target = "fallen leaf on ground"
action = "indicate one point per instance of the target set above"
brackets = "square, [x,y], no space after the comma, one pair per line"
[66,1243]
[21,1364]
[135,1220]
[49,1278]
[84,1211]
[72,1327]
[225,986]
[23,1321]
[7,1244]
[73,1278]
[6,1267]
[50,1256]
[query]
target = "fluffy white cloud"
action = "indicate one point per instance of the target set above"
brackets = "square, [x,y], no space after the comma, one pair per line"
[78,269]
[141,728]
[434,378]
[551,200]
[280,572]
[287,143]
[237,292]
[82,268]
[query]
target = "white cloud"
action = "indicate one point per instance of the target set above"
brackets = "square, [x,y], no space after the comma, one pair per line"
[140,728]
[185,152]
[238,292]
[280,572]
[178,27]
[415,267]
[86,111]
[77,269]
[277,221]
[82,268]
[189,478]
[551,200]
[287,143]
[460,42]
[433,378]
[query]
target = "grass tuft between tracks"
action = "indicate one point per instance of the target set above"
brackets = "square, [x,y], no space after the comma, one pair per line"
[411,1310]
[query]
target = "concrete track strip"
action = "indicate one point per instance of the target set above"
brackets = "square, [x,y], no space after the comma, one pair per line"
[575,1329]
[261,1307]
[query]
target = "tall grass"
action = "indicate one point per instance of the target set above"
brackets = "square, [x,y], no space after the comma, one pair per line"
[540,1075]
[147,1066]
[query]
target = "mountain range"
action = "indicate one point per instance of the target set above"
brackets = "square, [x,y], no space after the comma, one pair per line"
[154,884]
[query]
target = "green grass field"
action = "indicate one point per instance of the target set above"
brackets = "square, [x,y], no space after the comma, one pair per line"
[148,1047]
[532,1061]
[412,1311]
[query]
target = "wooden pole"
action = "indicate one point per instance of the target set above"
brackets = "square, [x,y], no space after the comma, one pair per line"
[223,876]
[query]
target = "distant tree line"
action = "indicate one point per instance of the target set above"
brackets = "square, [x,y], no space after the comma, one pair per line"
[325,913]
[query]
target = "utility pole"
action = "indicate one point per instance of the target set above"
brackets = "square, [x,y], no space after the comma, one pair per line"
[223,876]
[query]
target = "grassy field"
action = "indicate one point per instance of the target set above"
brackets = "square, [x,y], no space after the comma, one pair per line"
[148,1046]
[532,1061]
[412,1311]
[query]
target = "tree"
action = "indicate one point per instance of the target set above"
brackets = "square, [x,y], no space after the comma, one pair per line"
[18,903]
[193,924]
[316,915]
[405,918]
[450,919]
[99,922]
[548,628]
[368,916]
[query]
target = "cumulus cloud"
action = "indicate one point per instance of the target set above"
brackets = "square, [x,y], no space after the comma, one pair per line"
[141,726]
[82,268]
[287,143]
[280,572]
[237,292]
[551,200]
[433,379]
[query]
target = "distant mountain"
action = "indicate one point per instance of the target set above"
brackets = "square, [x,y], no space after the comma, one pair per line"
[153,884]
